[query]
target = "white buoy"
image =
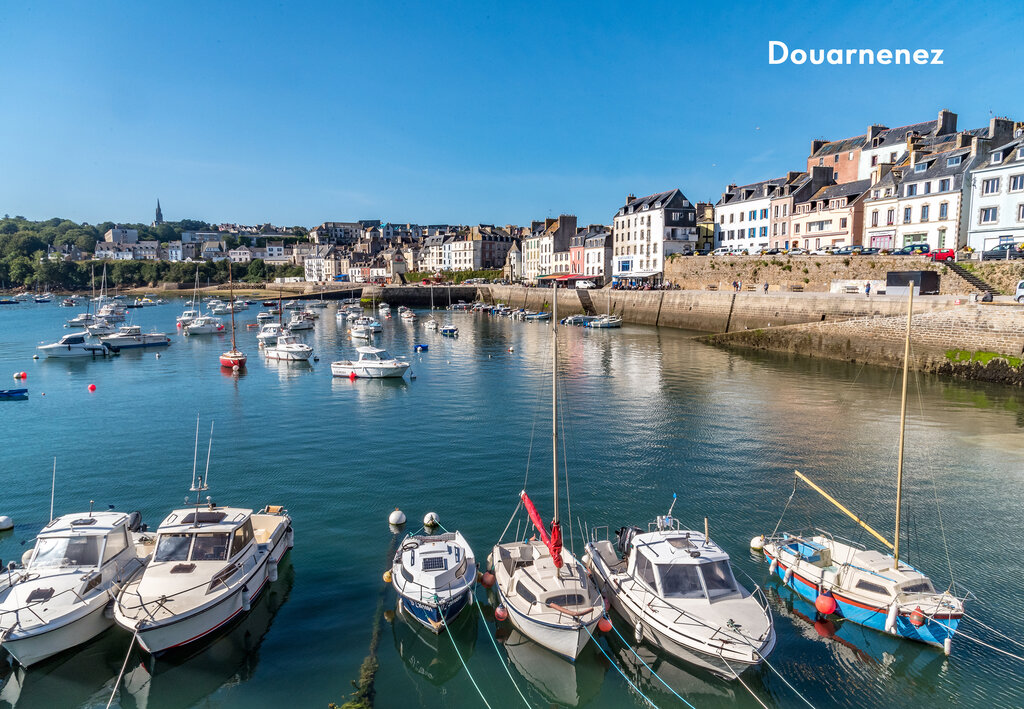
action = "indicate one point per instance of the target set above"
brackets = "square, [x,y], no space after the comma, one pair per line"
[35,356]
[757,543]
[431,519]
[511,349]
[6,523]
[396,517]
[158,355]
[234,368]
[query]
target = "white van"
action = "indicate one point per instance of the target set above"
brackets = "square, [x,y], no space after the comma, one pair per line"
[586,285]
[722,251]
[1018,295]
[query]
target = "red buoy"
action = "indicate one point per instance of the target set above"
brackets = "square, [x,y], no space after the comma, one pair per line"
[351,376]
[604,625]
[825,603]
[500,614]
[487,579]
[917,617]
[24,375]
[92,387]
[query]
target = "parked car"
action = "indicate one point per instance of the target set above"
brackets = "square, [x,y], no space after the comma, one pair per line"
[797,252]
[912,250]
[823,251]
[942,255]
[722,251]
[772,252]
[868,251]
[1002,251]
[1018,295]
[586,285]
[854,250]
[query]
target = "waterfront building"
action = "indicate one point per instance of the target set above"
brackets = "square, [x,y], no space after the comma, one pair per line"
[513,268]
[337,233]
[181,251]
[799,187]
[997,195]
[881,206]
[597,254]
[146,251]
[648,230]
[705,226]
[576,245]
[889,145]
[241,254]
[840,157]
[120,235]
[832,216]
[743,214]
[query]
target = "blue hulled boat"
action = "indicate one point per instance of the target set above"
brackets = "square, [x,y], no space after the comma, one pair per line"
[434,576]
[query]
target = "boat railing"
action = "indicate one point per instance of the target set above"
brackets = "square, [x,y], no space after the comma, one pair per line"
[600,533]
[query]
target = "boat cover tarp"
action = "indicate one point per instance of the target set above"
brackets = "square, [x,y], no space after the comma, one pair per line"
[553,541]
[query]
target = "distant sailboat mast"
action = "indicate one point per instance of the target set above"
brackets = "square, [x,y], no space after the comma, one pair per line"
[903,426]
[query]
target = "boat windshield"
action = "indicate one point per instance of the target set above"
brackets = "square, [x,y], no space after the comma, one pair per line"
[718,578]
[680,581]
[54,552]
[172,547]
[210,546]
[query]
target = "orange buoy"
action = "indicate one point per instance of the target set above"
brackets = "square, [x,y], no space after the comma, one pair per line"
[352,376]
[500,614]
[604,625]
[825,603]
[92,387]
[917,617]
[487,579]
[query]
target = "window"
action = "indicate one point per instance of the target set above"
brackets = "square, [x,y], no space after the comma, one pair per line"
[924,213]
[764,213]
[888,191]
[784,225]
[1016,183]
[821,161]
[210,546]
[835,174]
[785,210]
[753,215]
[836,158]
[566,600]
[525,593]
[55,552]
[988,215]
[241,537]
[680,581]
[874,160]
[731,217]
[920,167]
[911,190]
[116,543]
[927,187]
[922,587]
[718,578]
[764,231]
[997,157]
[796,228]
[741,216]
[842,223]
[954,161]
[751,232]
[944,185]
[892,157]
[872,587]
[990,186]
[850,155]
[874,218]
[944,210]
[172,547]
[1020,212]
[645,571]
[906,215]
[890,217]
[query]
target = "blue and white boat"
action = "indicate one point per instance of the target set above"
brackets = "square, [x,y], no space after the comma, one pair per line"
[130,336]
[449,331]
[867,587]
[434,576]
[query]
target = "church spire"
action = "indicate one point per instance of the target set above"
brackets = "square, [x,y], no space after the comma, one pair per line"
[159,215]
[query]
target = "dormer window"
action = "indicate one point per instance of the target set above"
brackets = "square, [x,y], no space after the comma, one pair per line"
[920,167]
[997,157]
[1020,153]
[953,161]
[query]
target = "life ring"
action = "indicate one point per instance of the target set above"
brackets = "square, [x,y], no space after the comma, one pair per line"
[638,632]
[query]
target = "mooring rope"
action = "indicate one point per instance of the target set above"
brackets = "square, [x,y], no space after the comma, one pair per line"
[961,633]
[651,669]
[459,653]
[494,642]
[737,676]
[1004,636]
[616,666]
[120,675]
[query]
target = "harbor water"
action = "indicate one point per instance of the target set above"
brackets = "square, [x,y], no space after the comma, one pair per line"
[647,413]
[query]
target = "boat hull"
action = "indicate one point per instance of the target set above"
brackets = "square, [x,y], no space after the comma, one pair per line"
[934,631]
[29,648]
[232,361]
[126,343]
[567,641]
[430,615]
[368,372]
[67,352]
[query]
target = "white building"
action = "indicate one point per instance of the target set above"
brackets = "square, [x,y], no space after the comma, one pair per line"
[120,235]
[647,230]
[597,256]
[743,215]
[889,145]
[997,196]
[337,233]
[322,264]
[513,270]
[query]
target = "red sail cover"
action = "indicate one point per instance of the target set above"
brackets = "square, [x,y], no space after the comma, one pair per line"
[554,542]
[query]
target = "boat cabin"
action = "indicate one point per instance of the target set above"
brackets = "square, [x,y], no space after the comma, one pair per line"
[373,354]
[81,541]
[72,339]
[216,534]
[435,562]
[129,331]
[530,567]
[677,564]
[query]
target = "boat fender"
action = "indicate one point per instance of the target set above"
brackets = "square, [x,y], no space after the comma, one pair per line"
[272,571]
[604,625]
[638,632]
[947,646]
[27,556]
[917,618]
[246,601]
[773,567]
[585,559]
[500,614]
[487,579]
[890,618]
[825,603]
[789,575]
[757,543]
[134,521]
[6,523]
[387,577]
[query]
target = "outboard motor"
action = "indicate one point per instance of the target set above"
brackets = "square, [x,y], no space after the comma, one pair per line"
[623,538]
[135,521]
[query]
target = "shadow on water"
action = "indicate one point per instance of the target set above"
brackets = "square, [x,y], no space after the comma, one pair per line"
[183,680]
[432,655]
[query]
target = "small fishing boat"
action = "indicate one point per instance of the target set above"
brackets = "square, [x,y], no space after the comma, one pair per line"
[372,323]
[204,325]
[604,322]
[434,576]
[288,348]
[537,316]
[68,303]
[450,331]
[430,324]
[298,322]
[101,327]
[580,320]
[676,588]
[408,315]
[373,363]
[270,331]
[74,345]
[82,320]
[57,600]
[13,394]
[129,336]
[264,317]
[209,566]
[361,332]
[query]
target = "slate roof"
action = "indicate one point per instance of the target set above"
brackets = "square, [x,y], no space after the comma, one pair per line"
[841,146]
[756,190]
[938,169]
[650,201]
[896,136]
[846,189]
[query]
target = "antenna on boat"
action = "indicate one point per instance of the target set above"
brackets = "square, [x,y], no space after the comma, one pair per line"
[195,455]
[672,506]
[53,486]
[204,482]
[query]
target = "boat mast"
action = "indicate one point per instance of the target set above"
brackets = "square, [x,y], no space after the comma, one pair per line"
[231,295]
[903,426]
[554,394]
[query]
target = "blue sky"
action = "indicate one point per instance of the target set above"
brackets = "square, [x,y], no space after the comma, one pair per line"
[297,113]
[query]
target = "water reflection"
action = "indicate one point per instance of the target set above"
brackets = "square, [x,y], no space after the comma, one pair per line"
[180,681]
[570,684]
[429,655]
[370,389]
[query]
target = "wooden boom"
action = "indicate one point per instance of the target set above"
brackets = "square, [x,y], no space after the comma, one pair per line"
[838,504]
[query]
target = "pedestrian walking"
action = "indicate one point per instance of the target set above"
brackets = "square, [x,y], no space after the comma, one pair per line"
[739,286]
[867,289]
[766,287]
[734,285]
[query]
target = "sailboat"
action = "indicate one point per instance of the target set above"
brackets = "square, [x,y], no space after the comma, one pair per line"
[544,589]
[233,357]
[605,320]
[430,323]
[187,316]
[867,587]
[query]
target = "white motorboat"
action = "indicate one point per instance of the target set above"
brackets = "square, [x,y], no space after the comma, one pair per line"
[298,322]
[372,323]
[209,566]
[289,348]
[676,588]
[101,327]
[57,600]
[450,331]
[73,345]
[430,324]
[82,320]
[361,332]
[264,317]
[294,305]
[269,332]
[408,315]
[544,589]
[434,576]
[112,312]
[186,317]
[373,363]
[604,322]
[128,336]
[204,325]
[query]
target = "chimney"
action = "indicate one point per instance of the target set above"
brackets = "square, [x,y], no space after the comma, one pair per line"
[1000,131]
[946,123]
[873,132]
[793,175]
[913,141]
[630,198]
[820,177]
[816,145]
